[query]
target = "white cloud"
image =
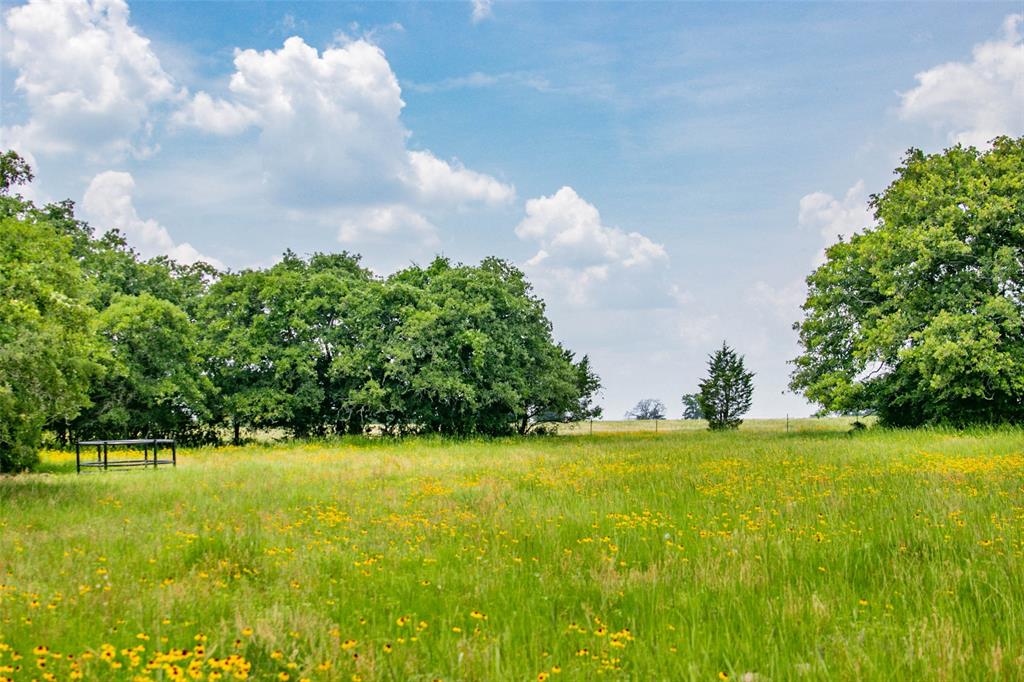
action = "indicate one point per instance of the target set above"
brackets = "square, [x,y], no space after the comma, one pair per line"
[89,79]
[108,204]
[834,218]
[482,9]
[978,100]
[782,302]
[438,181]
[577,252]
[214,116]
[330,131]
[387,222]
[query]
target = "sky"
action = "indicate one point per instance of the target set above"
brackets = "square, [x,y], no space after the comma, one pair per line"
[667,174]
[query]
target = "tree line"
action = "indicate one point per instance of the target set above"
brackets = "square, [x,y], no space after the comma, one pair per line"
[917,318]
[97,342]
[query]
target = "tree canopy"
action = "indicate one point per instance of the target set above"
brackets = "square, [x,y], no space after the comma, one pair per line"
[97,342]
[48,351]
[920,317]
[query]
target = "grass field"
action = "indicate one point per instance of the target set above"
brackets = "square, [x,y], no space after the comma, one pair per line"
[758,555]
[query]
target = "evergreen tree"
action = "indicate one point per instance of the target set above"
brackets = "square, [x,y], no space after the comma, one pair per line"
[726,393]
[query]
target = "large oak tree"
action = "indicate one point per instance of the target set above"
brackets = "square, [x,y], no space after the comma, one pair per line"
[920,317]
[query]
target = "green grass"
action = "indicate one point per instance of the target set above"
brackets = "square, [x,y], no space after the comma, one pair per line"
[683,555]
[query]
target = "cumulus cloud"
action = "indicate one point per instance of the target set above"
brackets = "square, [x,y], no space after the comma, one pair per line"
[89,79]
[435,180]
[834,218]
[578,253]
[214,116]
[482,10]
[330,130]
[387,222]
[108,204]
[978,100]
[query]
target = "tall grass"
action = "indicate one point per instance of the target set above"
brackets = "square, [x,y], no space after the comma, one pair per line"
[754,555]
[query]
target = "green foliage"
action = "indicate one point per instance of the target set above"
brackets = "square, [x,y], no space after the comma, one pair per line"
[313,346]
[726,393]
[284,345]
[151,384]
[47,350]
[320,346]
[921,318]
[691,406]
[471,352]
[115,269]
[14,170]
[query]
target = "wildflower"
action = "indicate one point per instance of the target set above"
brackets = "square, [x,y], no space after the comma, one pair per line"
[542,676]
[388,648]
[247,632]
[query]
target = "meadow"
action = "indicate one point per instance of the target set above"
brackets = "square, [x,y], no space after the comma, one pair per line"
[685,555]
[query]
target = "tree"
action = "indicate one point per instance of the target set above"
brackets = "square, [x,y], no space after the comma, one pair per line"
[726,393]
[691,406]
[47,352]
[559,392]
[14,170]
[920,318]
[152,383]
[648,408]
[286,346]
[469,350]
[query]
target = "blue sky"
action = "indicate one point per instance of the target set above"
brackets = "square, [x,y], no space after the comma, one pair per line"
[666,173]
